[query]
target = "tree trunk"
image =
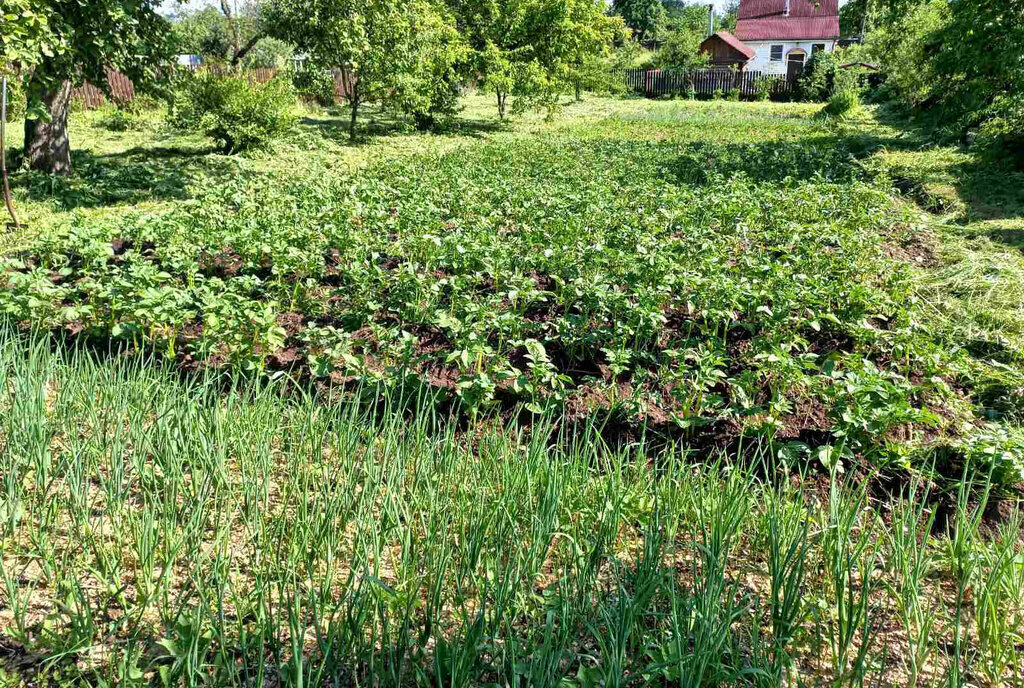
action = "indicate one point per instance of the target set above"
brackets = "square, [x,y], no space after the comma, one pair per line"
[244,50]
[47,146]
[354,102]
[501,104]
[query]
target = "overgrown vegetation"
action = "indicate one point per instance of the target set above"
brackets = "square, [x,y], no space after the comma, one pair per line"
[956,64]
[234,111]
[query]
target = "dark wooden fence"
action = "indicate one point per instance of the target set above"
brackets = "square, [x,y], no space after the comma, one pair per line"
[122,90]
[705,82]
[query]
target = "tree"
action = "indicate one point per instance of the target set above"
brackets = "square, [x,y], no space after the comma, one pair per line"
[532,50]
[688,24]
[682,50]
[81,41]
[853,18]
[221,34]
[647,18]
[588,43]
[430,92]
[371,41]
[980,57]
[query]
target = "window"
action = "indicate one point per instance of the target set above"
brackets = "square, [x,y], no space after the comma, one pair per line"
[777,53]
[816,48]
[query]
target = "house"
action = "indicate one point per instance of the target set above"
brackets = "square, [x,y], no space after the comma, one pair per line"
[785,34]
[725,50]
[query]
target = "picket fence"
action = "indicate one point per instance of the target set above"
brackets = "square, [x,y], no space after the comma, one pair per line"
[654,83]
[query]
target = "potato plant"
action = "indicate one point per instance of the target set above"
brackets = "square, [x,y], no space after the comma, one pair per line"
[708,289]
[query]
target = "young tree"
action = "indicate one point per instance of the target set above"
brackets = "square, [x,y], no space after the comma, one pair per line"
[587,44]
[530,49]
[371,41]
[82,40]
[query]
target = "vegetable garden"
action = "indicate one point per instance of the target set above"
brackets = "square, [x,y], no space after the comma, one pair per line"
[590,401]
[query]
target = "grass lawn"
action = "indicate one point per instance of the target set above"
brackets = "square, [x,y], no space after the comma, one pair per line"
[691,393]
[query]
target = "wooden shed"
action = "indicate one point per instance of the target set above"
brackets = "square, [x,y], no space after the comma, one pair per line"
[724,49]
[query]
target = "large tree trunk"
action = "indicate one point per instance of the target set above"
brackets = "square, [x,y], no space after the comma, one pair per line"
[47,146]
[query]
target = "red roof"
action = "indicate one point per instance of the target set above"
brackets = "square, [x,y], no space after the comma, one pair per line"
[736,44]
[733,43]
[763,20]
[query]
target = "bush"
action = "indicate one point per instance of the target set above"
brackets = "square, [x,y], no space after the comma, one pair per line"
[316,83]
[233,111]
[1001,136]
[763,87]
[841,105]
[823,78]
[120,119]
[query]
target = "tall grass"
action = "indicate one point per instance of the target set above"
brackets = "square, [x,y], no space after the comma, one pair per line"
[187,531]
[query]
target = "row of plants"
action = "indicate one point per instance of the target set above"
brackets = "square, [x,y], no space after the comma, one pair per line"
[165,531]
[705,289]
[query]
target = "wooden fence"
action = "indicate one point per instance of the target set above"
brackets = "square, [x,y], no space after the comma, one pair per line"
[704,82]
[122,90]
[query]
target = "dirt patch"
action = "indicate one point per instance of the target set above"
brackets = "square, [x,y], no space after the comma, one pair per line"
[226,263]
[292,322]
[921,249]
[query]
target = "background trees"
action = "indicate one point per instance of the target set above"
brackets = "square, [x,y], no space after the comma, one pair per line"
[647,18]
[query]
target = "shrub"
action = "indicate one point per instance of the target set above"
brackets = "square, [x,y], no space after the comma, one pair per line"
[1002,134]
[763,87]
[818,82]
[120,119]
[841,105]
[733,94]
[233,111]
[316,83]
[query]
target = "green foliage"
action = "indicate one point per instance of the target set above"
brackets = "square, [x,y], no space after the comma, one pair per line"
[203,32]
[903,47]
[978,60]
[120,119]
[235,112]
[268,53]
[822,77]
[430,91]
[375,42]
[91,36]
[681,50]
[647,18]
[318,83]
[26,34]
[15,96]
[763,87]
[1001,135]
[841,105]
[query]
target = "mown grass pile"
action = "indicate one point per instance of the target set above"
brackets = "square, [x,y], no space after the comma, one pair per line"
[709,289]
[164,529]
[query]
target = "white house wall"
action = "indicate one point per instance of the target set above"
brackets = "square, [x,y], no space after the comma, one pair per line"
[762,62]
